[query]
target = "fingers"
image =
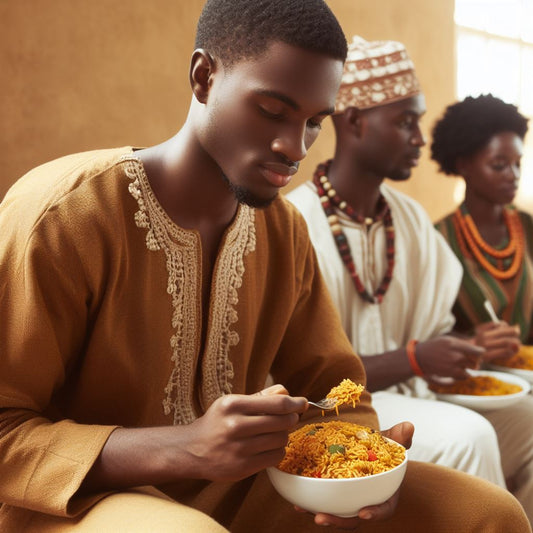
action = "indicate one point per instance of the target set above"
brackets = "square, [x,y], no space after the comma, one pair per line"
[273,403]
[382,511]
[459,373]
[374,512]
[401,433]
[273,389]
[503,353]
[266,424]
[502,331]
[467,348]
[501,341]
[507,346]
[487,326]
[323,519]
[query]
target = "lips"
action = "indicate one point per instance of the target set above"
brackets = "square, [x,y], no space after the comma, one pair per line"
[413,159]
[278,174]
[509,190]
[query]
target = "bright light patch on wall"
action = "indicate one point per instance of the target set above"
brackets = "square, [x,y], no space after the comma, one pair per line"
[459,191]
[495,55]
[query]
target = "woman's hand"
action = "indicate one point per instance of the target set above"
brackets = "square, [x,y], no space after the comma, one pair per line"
[499,339]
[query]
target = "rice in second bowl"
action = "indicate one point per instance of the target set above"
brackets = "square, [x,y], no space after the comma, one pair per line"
[338,449]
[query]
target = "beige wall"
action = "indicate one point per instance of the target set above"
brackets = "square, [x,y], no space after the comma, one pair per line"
[78,75]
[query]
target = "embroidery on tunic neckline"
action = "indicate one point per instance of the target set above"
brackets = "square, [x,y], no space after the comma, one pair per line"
[181,248]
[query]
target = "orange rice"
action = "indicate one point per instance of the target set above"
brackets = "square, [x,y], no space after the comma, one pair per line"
[477,386]
[522,360]
[346,392]
[337,449]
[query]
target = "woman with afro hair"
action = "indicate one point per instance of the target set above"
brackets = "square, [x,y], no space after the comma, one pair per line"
[481,140]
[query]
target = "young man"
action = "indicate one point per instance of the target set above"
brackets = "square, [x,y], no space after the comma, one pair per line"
[392,276]
[141,312]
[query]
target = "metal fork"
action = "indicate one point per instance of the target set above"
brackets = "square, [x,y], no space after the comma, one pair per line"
[326,404]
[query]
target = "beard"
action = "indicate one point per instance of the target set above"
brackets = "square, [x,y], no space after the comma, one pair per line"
[399,175]
[245,196]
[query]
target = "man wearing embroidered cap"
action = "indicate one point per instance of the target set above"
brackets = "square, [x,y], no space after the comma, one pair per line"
[376,73]
[391,275]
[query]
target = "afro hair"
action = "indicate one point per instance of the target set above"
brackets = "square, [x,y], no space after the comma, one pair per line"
[468,126]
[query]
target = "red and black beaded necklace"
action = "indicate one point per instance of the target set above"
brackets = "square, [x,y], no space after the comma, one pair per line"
[331,200]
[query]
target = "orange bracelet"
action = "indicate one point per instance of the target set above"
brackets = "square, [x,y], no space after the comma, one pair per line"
[411,350]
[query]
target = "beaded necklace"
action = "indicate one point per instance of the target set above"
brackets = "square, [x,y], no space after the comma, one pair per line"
[330,200]
[472,244]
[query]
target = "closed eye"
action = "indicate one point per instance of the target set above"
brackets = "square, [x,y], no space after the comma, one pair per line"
[314,123]
[275,115]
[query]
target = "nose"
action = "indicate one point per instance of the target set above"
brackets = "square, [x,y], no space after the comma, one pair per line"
[291,143]
[418,138]
[511,172]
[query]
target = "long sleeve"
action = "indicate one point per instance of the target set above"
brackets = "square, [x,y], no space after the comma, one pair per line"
[43,313]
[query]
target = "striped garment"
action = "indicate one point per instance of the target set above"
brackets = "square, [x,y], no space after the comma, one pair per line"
[512,299]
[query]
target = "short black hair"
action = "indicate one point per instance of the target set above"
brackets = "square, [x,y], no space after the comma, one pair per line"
[233,30]
[468,126]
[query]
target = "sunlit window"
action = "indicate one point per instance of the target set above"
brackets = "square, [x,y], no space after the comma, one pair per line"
[495,54]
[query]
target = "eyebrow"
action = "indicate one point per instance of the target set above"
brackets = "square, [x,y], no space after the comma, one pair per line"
[417,114]
[289,101]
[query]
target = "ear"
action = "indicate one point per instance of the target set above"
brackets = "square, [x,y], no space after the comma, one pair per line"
[462,165]
[354,121]
[201,74]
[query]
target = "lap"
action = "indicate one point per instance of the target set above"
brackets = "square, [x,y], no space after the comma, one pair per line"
[393,408]
[135,511]
[445,434]
[514,427]
[437,424]
[432,498]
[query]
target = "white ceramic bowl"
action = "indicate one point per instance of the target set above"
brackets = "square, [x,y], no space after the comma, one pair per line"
[340,497]
[488,403]
[520,372]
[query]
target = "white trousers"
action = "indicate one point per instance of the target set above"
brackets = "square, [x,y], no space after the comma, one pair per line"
[514,427]
[495,445]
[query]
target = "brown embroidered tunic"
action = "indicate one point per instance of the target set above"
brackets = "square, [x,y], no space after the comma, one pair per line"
[100,322]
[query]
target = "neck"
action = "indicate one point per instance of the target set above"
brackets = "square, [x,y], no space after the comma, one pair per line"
[187,182]
[483,212]
[358,188]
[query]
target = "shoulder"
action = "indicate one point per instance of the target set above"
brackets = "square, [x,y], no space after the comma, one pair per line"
[404,208]
[64,189]
[52,180]
[526,218]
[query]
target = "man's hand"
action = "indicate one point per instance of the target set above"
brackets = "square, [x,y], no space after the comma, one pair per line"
[448,356]
[401,433]
[240,435]
[499,339]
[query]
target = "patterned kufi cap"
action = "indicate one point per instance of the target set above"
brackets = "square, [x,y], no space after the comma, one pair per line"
[376,73]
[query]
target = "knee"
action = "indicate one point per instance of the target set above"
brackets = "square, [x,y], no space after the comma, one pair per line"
[504,509]
[138,511]
[471,430]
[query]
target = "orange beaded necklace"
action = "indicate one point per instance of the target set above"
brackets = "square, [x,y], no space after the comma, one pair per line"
[472,244]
